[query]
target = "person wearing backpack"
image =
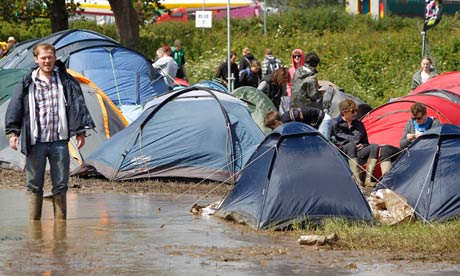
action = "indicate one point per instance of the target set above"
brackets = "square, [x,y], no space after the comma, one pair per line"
[246,59]
[270,63]
[305,87]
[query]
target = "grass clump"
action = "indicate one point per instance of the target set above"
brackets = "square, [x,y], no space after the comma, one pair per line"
[429,239]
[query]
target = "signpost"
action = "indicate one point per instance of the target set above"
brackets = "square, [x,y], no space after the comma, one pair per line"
[203,19]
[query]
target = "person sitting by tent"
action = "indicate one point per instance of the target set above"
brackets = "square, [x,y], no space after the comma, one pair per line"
[350,136]
[424,74]
[275,85]
[311,116]
[417,125]
[167,67]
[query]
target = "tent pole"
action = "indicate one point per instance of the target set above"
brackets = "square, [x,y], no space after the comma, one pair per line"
[229,75]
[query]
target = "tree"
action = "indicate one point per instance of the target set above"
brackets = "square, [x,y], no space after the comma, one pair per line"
[58,15]
[129,14]
[126,20]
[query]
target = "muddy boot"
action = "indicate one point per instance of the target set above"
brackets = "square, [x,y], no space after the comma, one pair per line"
[353,163]
[35,206]
[60,206]
[385,166]
[371,163]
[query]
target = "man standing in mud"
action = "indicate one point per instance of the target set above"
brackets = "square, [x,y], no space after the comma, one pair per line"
[46,109]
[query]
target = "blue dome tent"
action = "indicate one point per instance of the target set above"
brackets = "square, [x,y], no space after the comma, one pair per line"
[294,175]
[426,174]
[194,133]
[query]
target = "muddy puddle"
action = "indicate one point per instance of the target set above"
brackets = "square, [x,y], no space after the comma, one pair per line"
[147,234]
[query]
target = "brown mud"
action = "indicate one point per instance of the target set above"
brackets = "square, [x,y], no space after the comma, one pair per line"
[285,249]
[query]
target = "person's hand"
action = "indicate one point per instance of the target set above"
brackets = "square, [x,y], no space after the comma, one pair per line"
[14,142]
[410,137]
[416,135]
[80,139]
[359,146]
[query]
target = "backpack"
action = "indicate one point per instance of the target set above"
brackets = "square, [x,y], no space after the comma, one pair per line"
[273,64]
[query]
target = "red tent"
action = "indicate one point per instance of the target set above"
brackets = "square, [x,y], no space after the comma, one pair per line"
[447,82]
[385,124]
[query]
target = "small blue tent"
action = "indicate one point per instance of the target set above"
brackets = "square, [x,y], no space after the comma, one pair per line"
[427,174]
[212,84]
[193,133]
[293,176]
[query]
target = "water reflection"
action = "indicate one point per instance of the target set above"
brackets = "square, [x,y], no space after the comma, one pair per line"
[47,246]
[120,234]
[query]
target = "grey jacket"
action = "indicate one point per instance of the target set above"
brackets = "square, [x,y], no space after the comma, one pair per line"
[409,128]
[417,78]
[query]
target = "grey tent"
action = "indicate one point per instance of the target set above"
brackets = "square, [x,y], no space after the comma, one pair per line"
[335,94]
[259,104]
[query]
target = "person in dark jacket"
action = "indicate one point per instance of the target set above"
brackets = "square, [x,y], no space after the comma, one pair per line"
[275,85]
[246,59]
[45,111]
[222,72]
[350,136]
[311,116]
[305,87]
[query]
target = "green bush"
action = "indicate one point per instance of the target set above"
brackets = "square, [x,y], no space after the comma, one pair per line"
[371,59]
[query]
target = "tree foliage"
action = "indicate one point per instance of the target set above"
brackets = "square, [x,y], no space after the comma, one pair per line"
[129,14]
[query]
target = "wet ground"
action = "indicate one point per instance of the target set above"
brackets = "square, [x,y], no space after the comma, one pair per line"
[154,234]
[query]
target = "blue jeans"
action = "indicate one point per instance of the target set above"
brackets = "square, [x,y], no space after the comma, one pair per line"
[58,157]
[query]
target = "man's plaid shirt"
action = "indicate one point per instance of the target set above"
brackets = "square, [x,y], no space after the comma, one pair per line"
[47,109]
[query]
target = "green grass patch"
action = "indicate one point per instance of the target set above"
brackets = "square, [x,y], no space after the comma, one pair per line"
[433,238]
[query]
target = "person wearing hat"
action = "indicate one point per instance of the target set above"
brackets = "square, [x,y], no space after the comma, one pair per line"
[10,44]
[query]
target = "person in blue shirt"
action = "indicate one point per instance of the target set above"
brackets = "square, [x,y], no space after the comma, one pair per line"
[417,125]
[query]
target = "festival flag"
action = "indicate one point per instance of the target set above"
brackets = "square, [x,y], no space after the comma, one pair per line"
[433,11]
